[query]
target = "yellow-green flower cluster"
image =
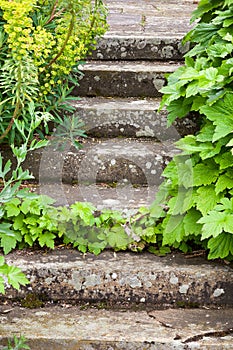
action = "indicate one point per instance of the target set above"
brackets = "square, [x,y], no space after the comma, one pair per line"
[55,34]
[18,26]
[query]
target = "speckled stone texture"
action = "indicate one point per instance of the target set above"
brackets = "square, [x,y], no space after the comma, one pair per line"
[125,277]
[123,78]
[103,161]
[71,328]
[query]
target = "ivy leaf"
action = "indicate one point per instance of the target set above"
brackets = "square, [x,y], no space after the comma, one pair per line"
[221,246]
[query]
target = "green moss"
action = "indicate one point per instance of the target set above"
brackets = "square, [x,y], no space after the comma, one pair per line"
[32,301]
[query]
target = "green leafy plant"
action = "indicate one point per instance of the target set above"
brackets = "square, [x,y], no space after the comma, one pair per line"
[42,42]
[197,192]
[18,344]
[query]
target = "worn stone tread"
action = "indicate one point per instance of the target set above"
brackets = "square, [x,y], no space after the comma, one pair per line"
[141,30]
[116,196]
[128,46]
[130,117]
[58,328]
[67,275]
[111,160]
[123,78]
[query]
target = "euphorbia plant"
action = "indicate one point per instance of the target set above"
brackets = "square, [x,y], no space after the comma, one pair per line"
[41,43]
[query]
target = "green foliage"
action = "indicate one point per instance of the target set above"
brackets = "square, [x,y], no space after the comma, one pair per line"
[18,344]
[42,42]
[35,221]
[198,187]
[13,274]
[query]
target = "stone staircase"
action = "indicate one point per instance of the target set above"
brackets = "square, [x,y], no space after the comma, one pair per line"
[129,144]
[121,301]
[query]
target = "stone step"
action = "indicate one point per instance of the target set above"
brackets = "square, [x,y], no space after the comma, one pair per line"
[123,278]
[130,117]
[123,78]
[67,328]
[121,196]
[142,30]
[103,161]
[135,47]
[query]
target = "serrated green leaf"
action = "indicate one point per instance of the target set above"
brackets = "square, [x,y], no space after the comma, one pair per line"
[220,246]
[47,239]
[204,174]
[84,211]
[8,242]
[12,208]
[191,225]
[117,238]
[223,182]
[224,160]
[221,115]
[173,229]
[185,173]
[5,228]
[215,223]
[182,202]
[15,276]
[2,282]
[206,198]
[2,260]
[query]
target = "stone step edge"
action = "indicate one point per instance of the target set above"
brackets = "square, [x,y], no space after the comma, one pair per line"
[100,161]
[123,79]
[67,275]
[103,329]
[114,46]
[129,117]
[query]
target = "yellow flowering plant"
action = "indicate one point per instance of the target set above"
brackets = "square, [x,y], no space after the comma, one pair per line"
[41,43]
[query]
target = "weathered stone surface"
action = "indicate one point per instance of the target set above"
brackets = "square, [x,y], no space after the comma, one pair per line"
[123,277]
[130,117]
[123,79]
[106,161]
[116,196]
[141,31]
[59,328]
[129,46]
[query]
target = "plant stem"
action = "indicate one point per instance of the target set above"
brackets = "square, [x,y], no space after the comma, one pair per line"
[71,26]
[15,115]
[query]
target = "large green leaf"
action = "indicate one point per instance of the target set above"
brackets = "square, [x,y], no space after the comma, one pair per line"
[221,246]
[221,114]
